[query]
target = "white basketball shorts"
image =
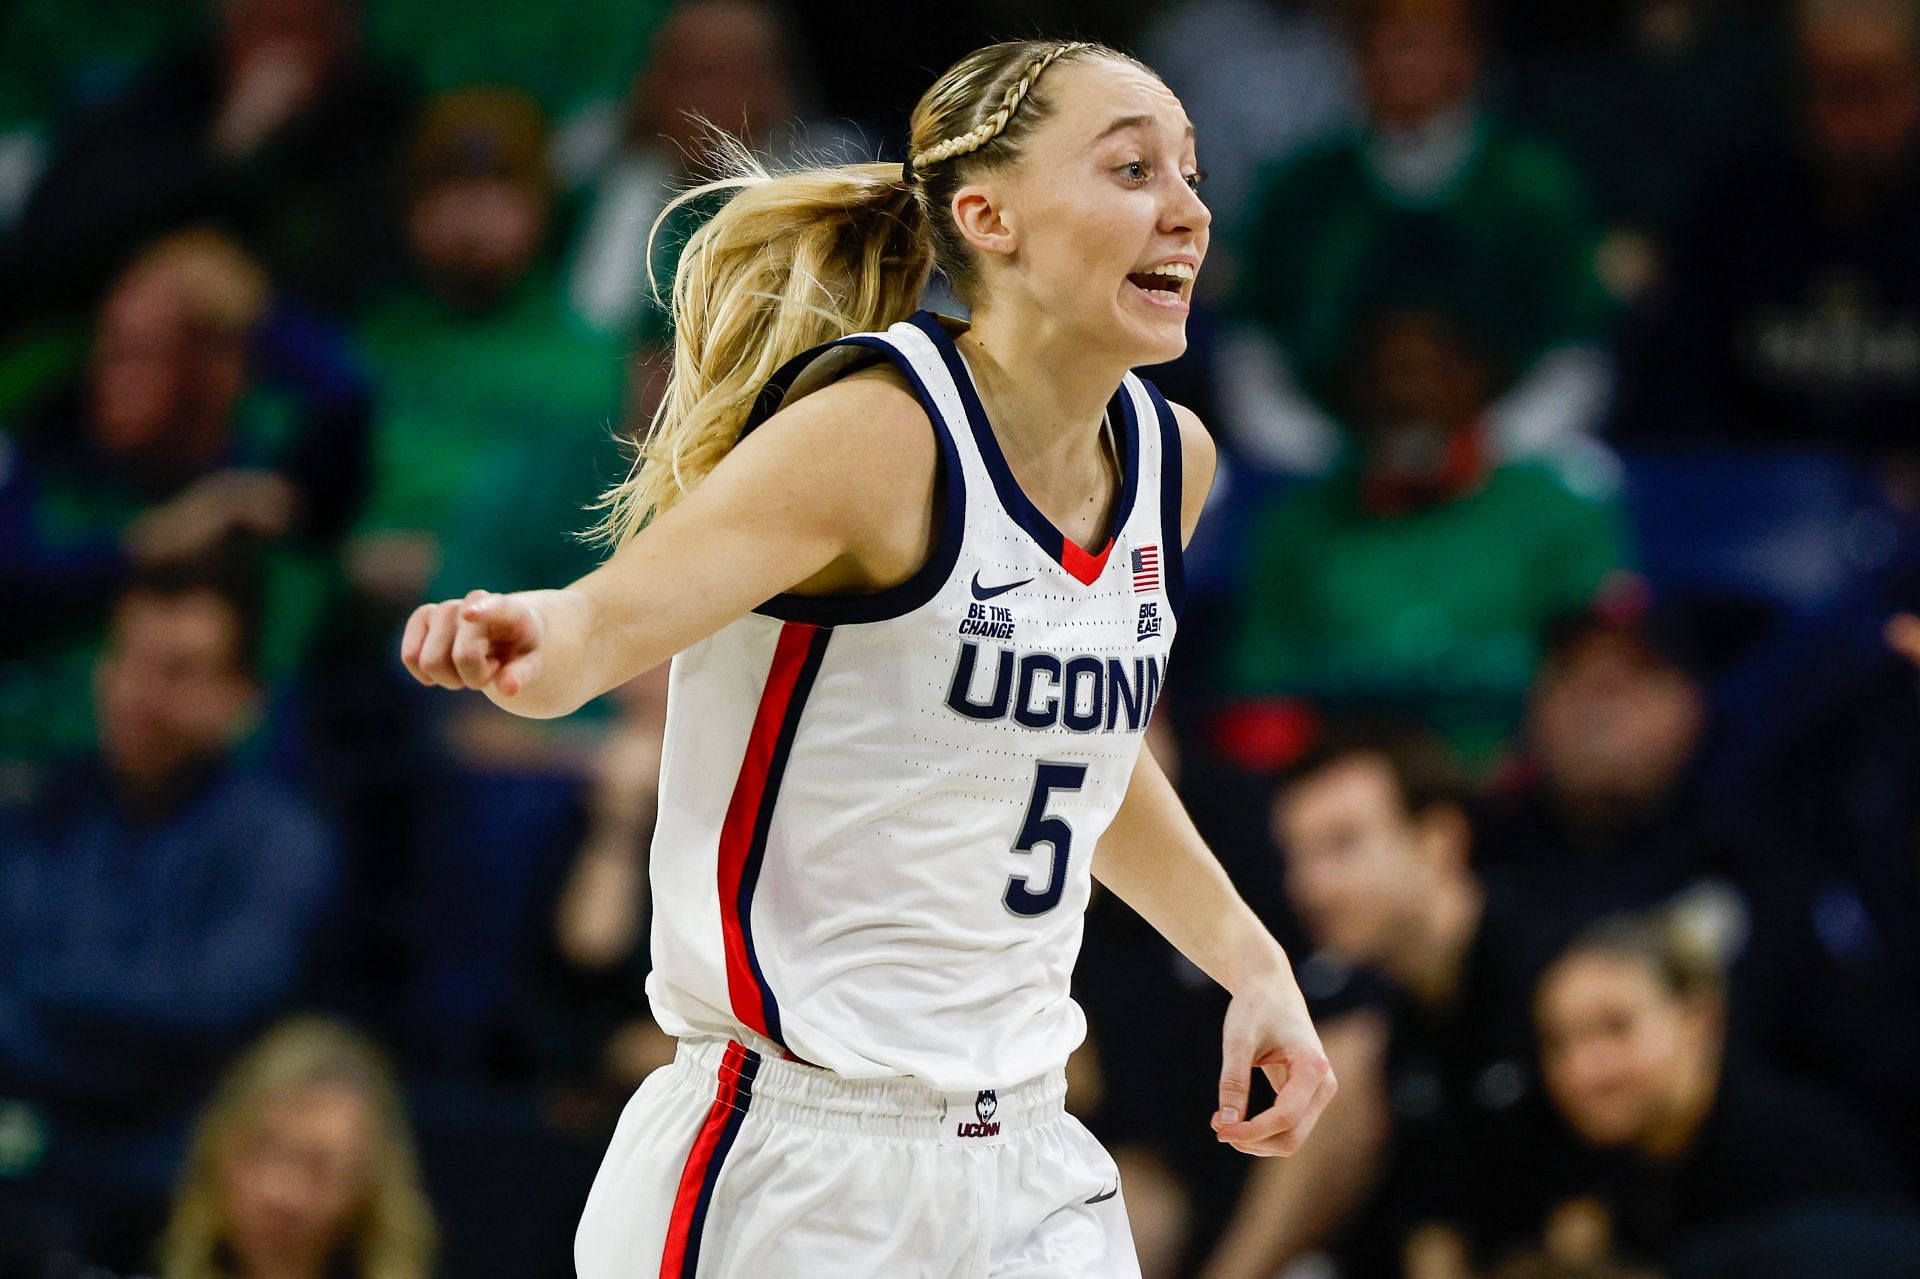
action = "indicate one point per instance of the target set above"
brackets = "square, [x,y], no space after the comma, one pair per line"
[728,1164]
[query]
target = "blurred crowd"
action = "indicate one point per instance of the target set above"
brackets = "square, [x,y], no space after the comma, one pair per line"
[1550,678]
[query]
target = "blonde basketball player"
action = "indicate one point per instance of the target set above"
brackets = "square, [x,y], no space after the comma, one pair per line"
[918,581]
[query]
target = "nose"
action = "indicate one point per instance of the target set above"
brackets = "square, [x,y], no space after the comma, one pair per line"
[1185,213]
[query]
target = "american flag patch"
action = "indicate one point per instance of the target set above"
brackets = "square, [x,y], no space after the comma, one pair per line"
[1146,570]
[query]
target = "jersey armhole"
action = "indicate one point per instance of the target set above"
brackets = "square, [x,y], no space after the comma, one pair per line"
[949,487]
[1172,499]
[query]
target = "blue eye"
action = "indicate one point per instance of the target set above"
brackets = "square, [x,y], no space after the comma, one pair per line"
[1136,170]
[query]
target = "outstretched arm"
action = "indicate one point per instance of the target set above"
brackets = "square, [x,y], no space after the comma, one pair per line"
[833,494]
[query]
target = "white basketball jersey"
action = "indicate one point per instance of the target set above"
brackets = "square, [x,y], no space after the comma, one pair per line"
[877,812]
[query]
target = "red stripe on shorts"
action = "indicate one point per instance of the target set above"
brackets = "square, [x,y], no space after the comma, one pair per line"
[686,1201]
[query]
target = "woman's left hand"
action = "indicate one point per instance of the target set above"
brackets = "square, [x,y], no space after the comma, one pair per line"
[1267,1026]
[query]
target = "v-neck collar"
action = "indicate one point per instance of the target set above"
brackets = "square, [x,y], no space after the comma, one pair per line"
[1083,565]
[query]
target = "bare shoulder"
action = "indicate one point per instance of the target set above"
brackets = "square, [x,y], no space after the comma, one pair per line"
[1198,459]
[869,418]
[863,439]
[857,461]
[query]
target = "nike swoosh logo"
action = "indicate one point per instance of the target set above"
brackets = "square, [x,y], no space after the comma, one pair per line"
[1100,1199]
[988,592]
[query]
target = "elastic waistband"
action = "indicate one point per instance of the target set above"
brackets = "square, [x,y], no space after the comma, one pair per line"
[898,1107]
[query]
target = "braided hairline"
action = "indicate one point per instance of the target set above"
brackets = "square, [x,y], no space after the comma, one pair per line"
[989,129]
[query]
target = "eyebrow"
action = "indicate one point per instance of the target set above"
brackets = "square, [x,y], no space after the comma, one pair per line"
[1126,122]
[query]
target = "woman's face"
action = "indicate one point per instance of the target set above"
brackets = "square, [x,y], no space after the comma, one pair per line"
[1098,227]
[1616,1047]
[293,1181]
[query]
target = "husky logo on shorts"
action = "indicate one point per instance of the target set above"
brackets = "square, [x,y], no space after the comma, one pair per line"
[986,1105]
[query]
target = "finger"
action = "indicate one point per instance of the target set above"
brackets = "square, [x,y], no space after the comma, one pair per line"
[1289,1142]
[507,619]
[1318,1107]
[1236,1068]
[1291,1102]
[1293,1098]
[436,650]
[518,673]
[411,640]
[472,653]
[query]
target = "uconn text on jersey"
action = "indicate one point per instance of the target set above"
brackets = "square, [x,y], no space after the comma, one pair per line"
[1083,694]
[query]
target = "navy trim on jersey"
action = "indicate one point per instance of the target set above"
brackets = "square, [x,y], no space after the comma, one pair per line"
[1018,506]
[742,1099]
[763,820]
[894,601]
[1172,493]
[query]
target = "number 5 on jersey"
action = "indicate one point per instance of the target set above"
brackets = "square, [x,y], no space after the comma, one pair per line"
[1041,827]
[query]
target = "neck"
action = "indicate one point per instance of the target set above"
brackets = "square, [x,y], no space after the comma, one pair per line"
[1602,815]
[154,790]
[1675,1131]
[1430,958]
[288,1267]
[1046,396]
[289,1270]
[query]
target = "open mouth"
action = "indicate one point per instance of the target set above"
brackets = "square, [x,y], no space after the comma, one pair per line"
[1171,285]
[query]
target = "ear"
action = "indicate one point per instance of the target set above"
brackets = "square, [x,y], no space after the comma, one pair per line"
[981,216]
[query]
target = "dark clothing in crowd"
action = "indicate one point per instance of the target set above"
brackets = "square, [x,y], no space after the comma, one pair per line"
[1795,1245]
[314,202]
[1650,111]
[139,945]
[1570,876]
[1768,1146]
[1835,961]
[1471,1130]
[1793,315]
[138,949]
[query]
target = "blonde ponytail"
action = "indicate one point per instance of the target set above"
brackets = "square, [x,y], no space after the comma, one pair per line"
[797,259]
[789,262]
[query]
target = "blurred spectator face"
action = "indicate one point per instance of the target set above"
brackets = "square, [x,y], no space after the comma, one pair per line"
[165,376]
[1863,86]
[1418,373]
[717,60]
[1612,724]
[1617,1049]
[171,687]
[475,238]
[1358,865]
[313,34]
[293,1181]
[1419,57]
[478,218]
[1421,397]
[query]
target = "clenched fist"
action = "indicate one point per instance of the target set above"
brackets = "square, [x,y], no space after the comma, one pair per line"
[484,640]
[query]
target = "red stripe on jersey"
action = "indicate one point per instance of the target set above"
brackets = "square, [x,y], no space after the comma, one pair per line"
[743,811]
[686,1200]
[1083,564]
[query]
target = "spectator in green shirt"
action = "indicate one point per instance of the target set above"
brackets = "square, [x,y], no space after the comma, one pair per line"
[1429,156]
[1416,579]
[497,405]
